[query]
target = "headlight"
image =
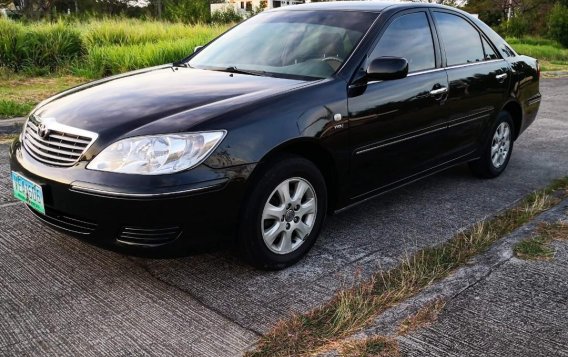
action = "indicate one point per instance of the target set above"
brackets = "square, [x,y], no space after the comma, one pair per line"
[157,154]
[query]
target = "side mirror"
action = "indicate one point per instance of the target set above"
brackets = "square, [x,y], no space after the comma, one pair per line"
[387,68]
[197,49]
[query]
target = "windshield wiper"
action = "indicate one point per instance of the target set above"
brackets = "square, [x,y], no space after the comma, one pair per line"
[181,64]
[234,69]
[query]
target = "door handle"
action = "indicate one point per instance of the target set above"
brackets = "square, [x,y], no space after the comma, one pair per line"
[439,91]
[501,77]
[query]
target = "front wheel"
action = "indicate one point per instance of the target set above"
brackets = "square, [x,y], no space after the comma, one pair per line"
[284,214]
[497,150]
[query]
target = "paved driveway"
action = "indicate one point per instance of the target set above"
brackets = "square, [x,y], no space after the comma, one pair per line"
[62,296]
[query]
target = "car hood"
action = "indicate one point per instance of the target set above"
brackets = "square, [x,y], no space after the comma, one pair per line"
[118,105]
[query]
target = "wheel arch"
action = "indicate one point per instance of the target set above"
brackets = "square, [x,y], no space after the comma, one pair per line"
[311,150]
[514,108]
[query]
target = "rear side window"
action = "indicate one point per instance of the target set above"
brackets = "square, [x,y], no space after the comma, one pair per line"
[408,36]
[462,42]
[507,51]
[489,53]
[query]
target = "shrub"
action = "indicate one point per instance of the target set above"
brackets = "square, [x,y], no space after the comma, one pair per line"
[187,11]
[226,16]
[517,26]
[558,24]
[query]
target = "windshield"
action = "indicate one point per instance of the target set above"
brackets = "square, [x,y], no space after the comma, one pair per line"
[306,44]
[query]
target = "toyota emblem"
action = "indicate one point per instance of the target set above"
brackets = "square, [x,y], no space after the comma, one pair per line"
[42,130]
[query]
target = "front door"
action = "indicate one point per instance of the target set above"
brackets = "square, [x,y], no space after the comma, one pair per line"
[397,126]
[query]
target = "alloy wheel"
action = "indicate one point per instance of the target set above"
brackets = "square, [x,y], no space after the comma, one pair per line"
[289,215]
[501,144]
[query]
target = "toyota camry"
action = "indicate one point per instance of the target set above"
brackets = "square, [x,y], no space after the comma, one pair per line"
[294,114]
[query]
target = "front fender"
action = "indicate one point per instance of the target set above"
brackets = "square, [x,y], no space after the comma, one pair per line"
[307,112]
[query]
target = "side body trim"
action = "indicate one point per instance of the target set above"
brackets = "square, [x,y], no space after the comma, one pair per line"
[413,135]
[407,181]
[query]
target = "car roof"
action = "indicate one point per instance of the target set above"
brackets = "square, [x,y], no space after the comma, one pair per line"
[371,6]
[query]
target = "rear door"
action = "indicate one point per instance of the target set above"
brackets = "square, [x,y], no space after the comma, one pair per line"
[397,126]
[478,79]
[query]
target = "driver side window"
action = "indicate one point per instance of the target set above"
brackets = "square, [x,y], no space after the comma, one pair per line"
[410,37]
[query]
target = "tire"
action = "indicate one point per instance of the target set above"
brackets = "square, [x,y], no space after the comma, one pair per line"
[258,225]
[492,163]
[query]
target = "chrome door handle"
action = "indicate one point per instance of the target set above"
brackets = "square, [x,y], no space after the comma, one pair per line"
[501,77]
[439,91]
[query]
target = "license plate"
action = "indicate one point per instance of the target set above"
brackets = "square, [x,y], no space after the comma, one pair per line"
[28,192]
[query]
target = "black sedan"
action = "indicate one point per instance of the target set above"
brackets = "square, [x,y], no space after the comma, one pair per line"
[295,113]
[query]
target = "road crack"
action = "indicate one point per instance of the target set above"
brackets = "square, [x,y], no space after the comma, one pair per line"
[200,301]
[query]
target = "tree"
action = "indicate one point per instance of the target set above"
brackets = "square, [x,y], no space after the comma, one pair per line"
[188,11]
[558,24]
[525,15]
[454,3]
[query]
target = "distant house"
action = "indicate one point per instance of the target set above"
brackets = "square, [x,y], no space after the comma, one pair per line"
[250,5]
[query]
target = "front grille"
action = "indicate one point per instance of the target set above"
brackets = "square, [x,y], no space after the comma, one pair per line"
[148,236]
[55,144]
[65,222]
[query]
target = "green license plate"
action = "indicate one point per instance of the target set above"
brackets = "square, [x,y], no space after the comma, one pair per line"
[28,192]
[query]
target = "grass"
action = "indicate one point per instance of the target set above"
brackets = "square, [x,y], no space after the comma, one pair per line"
[552,56]
[11,108]
[99,47]
[554,66]
[43,46]
[41,59]
[126,32]
[535,248]
[19,93]
[538,247]
[117,46]
[384,346]
[353,309]
[106,60]
[424,317]
[7,138]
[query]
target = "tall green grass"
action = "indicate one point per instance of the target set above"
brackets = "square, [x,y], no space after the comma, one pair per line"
[543,49]
[133,32]
[119,46]
[107,60]
[97,48]
[10,108]
[40,46]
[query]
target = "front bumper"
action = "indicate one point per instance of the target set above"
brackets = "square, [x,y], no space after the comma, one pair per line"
[191,208]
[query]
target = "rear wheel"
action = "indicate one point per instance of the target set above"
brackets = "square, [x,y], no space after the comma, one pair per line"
[497,150]
[284,213]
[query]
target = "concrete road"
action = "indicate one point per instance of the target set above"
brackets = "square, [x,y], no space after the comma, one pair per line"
[62,296]
[519,309]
